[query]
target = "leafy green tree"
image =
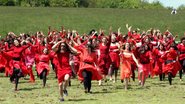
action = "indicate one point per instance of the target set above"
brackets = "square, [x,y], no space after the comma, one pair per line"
[181,7]
[63,3]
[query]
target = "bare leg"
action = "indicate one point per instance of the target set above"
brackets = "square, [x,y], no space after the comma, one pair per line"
[110,72]
[66,83]
[61,91]
[115,75]
[100,81]
[140,77]
[143,81]
[126,83]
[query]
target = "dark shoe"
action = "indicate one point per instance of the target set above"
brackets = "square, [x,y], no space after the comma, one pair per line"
[65,92]
[122,81]
[90,92]
[62,99]
[105,80]
[69,83]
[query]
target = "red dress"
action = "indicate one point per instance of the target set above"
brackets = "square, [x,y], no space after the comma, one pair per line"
[43,64]
[39,51]
[114,56]
[2,62]
[159,62]
[63,66]
[144,59]
[8,62]
[126,62]
[104,59]
[87,63]
[17,59]
[181,48]
[30,55]
[171,65]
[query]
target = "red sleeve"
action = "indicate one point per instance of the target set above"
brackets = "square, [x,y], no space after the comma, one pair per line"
[85,42]
[179,47]
[79,48]
[129,34]
[7,54]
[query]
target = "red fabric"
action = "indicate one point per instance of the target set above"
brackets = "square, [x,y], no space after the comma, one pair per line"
[144,59]
[159,62]
[134,36]
[43,64]
[32,77]
[16,52]
[3,61]
[174,66]
[104,59]
[126,60]
[63,66]
[8,61]
[89,58]
[181,48]
[114,56]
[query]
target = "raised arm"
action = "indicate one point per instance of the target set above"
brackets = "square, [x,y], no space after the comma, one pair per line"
[135,60]
[55,47]
[72,49]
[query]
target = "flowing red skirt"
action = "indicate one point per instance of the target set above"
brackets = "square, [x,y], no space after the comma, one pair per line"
[158,68]
[115,59]
[19,65]
[125,69]
[95,74]
[41,66]
[2,63]
[104,64]
[61,72]
[172,67]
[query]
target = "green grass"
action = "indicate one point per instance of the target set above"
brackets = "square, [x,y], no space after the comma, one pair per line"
[154,92]
[20,19]
[34,19]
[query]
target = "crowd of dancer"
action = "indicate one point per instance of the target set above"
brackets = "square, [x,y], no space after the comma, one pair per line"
[94,56]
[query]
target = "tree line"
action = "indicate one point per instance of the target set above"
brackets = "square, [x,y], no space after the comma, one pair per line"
[128,4]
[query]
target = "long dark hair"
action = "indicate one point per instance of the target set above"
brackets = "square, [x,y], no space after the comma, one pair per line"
[66,46]
[90,45]
[174,45]
[124,47]
[162,45]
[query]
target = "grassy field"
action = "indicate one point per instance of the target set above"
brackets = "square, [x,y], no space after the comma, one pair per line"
[26,20]
[154,92]
[34,19]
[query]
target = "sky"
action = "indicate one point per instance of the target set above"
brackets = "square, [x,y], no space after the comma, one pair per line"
[170,3]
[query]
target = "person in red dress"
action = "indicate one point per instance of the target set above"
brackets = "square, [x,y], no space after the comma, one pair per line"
[172,65]
[88,70]
[159,62]
[144,60]
[64,72]
[29,57]
[181,48]
[126,61]
[104,58]
[43,65]
[17,64]
[114,56]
